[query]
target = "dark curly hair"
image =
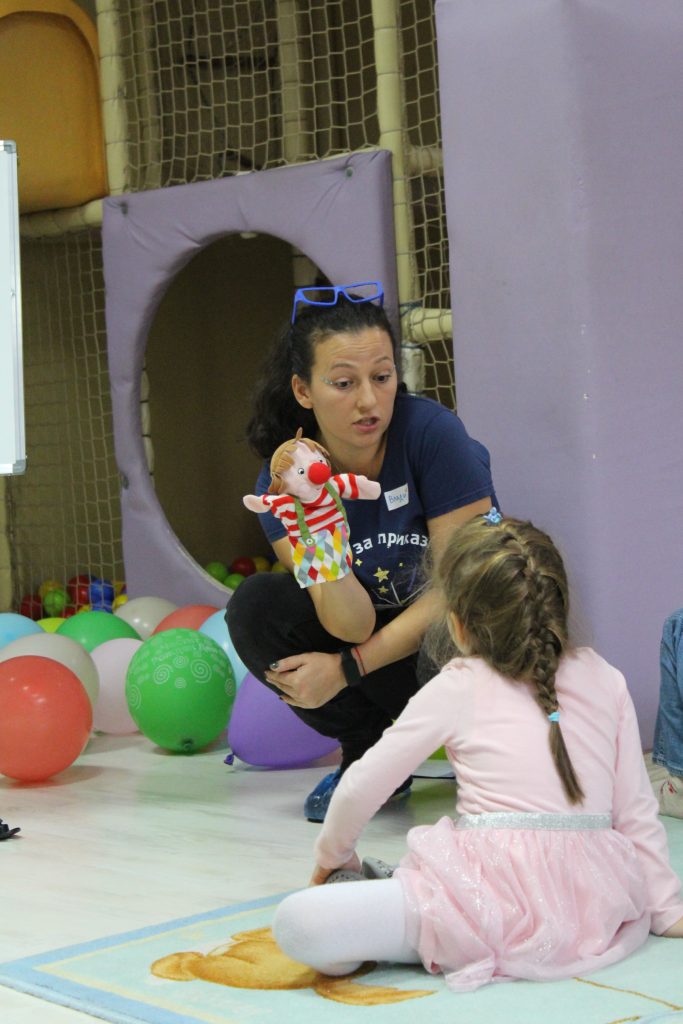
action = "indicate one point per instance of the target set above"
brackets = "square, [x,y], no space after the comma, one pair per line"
[276,413]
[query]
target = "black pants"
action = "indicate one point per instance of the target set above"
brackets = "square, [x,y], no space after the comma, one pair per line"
[270,617]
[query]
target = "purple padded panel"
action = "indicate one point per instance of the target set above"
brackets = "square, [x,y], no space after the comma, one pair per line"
[563,153]
[339,212]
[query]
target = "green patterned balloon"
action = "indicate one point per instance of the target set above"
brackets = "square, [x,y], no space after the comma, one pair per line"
[180,689]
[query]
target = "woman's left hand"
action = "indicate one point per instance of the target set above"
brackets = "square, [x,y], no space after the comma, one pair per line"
[308,680]
[320,875]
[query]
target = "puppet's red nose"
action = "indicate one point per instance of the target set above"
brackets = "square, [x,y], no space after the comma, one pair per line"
[318,473]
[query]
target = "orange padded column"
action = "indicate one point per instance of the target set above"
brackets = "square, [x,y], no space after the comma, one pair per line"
[50,102]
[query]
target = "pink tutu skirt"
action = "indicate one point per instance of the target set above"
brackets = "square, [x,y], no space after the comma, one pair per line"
[539,896]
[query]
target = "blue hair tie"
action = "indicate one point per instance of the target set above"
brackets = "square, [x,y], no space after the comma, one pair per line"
[493,517]
[554,716]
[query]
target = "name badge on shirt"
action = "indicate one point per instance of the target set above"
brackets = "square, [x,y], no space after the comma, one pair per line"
[396,498]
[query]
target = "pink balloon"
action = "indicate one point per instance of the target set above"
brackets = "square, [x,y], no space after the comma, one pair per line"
[112,659]
[191,616]
[264,731]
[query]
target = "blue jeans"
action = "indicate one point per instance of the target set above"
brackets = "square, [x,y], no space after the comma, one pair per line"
[668,742]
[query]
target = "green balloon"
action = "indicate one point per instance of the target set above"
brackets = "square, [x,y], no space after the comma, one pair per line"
[180,689]
[90,629]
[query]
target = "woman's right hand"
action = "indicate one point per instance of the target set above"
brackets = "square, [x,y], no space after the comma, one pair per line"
[675,931]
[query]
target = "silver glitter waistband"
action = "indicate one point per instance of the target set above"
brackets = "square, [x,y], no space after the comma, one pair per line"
[514,819]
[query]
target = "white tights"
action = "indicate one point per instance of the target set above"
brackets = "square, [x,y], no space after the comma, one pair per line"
[335,928]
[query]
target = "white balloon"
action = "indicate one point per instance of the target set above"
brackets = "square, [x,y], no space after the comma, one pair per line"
[145,613]
[59,648]
[112,659]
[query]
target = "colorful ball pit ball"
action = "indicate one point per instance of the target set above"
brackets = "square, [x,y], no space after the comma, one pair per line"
[101,595]
[77,589]
[190,616]
[233,580]
[180,690]
[47,586]
[217,570]
[12,626]
[243,565]
[261,563]
[93,628]
[32,606]
[46,718]
[55,601]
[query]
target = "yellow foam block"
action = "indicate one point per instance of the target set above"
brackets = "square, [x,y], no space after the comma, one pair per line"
[50,102]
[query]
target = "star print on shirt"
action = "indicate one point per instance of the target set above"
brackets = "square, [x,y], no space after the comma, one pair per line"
[358,561]
[381,575]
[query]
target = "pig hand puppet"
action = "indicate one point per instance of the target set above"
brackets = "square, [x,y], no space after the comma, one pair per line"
[306,497]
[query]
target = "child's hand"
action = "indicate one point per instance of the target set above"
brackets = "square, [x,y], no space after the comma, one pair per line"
[675,931]
[320,875]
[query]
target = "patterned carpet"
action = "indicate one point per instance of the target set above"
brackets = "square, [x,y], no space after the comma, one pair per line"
[223,968]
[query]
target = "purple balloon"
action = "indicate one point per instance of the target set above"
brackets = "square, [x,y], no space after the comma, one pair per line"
[264,731]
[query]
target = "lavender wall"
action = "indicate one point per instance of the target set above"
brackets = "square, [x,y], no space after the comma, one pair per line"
[339,212]
[563,140]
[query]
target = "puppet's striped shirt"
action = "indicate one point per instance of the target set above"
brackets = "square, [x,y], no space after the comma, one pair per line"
[321,514]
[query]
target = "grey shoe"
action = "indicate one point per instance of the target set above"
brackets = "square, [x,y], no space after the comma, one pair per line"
[373,867]
[342,875]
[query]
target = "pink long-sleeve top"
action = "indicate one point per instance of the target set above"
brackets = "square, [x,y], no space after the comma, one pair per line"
[496,739]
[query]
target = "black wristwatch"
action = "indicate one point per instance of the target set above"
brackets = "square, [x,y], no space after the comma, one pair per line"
[350,668]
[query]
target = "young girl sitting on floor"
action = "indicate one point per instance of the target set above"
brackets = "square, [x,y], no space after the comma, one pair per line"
[557,863]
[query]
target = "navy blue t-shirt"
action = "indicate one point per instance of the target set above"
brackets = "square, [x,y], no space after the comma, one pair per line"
[431,466]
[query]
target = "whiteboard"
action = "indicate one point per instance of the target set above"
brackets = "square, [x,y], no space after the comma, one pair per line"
[12,436]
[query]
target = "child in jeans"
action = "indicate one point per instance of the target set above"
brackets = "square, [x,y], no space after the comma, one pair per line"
[666,768]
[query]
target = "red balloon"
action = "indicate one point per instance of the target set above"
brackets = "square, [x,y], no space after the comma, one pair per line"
[244,565]
[191,616]
[46,718]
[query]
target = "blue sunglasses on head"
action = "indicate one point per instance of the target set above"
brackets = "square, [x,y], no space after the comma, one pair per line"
[329,295]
